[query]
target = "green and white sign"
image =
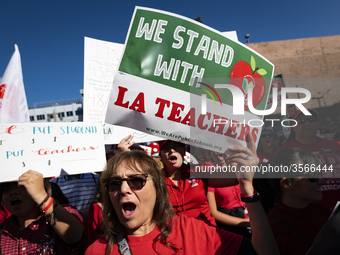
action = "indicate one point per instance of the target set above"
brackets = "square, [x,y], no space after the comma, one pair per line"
[169,82]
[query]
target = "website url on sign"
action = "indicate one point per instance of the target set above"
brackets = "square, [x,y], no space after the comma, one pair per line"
[264,169]
[184,139]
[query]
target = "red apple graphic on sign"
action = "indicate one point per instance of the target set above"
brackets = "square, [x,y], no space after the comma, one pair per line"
[246,76]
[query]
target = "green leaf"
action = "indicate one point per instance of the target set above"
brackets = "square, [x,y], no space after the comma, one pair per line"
[262,71]
[252,63]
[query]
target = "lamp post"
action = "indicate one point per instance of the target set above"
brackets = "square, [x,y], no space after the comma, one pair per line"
[318,98]
[247,37]
[323,95]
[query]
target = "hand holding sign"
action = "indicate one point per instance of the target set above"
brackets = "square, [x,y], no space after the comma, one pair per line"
[247,161]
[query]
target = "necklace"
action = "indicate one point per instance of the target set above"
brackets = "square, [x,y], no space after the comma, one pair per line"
[181,190]
[234,190]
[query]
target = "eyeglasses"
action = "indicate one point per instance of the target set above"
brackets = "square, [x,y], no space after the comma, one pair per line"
[135,182]
[310,120]
[267,135]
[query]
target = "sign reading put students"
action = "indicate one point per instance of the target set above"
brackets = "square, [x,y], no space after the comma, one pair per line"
[75,147]
[169,82]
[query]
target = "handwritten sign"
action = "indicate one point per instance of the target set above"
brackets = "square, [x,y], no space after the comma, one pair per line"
[170,65]
[101,59]
[75,147]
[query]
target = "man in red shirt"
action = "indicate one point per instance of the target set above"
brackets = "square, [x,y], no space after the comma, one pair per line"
[326,150]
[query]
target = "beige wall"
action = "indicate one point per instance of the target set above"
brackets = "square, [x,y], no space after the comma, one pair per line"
[311,63]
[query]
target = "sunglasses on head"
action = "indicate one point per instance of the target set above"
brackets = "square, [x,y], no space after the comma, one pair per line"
[135,182]
[310,120]
[267,135]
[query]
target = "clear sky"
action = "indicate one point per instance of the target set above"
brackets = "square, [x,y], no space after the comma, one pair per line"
[50,34]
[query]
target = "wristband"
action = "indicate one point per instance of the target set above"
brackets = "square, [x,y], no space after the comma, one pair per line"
[47,206]
[250,198]
[45,199]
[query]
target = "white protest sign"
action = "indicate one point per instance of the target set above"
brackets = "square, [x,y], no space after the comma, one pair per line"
[75,147]
[170,65]
[101,59]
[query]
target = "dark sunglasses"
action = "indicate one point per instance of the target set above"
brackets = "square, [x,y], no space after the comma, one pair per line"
[267,135]
[135,182]
[310,120]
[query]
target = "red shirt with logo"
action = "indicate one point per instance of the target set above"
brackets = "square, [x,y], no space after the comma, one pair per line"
[188,197]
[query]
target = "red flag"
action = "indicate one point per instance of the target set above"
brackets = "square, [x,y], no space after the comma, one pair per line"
[13,103]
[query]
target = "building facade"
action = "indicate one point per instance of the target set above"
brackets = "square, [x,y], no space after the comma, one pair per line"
[70,110]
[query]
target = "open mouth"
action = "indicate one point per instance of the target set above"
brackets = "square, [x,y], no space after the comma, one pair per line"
[15,202]
[173,159]
[128,209]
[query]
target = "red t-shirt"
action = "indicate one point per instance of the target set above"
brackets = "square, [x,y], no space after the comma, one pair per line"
[263,156]
[307,221]
[228,197]
[188,197]
[191,236]
[328,153]
[94,219]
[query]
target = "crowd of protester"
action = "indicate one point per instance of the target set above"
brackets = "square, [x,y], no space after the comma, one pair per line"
[153,204]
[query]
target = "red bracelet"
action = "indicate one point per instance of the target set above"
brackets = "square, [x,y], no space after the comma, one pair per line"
[247,196]
[47,206]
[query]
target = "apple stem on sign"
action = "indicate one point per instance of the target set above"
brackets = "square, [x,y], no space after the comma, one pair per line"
[255,70]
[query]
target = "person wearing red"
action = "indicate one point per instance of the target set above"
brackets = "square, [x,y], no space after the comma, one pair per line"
[228,209]
[38,224]
[94,221]
[226,205]
[184,233]
[295,218]
[138,216]
[326,150]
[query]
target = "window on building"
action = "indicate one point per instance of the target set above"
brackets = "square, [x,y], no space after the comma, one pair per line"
[61,115]
[50,116]
[32,118]
[79,112]
[70,113]
[41,117]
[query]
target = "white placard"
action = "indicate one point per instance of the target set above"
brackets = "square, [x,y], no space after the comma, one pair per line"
[113,134]
[100,62]
[75,147]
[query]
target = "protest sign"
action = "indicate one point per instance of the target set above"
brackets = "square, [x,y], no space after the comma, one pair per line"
[75,147]
[278,83]
[101,59]
[169,66]
[113,134]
